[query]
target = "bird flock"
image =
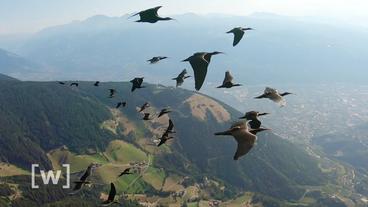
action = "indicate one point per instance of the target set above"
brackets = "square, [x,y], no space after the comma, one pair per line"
[245,133]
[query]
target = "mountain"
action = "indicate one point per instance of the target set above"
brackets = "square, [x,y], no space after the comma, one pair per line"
[6,78]
[17,66]
[52,124]
[280,49]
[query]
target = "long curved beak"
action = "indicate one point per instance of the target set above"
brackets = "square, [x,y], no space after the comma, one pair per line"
[228,132]
[262,114]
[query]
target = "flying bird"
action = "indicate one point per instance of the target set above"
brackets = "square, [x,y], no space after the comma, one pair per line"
[274,95]
[243,136]
[228,81]
[252,117]
[199,62]
[111,199]
[181,77]
[122,103]
[83,180]
[238,34]
[163,140]
[125,172]
[137,83]
[144,106]
[147,117]
[151,15]
[156,59]
[74,84]
[112,93]
[163,111]
[97,83]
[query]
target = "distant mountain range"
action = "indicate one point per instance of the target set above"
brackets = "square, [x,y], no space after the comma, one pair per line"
[279,50]
[50,124]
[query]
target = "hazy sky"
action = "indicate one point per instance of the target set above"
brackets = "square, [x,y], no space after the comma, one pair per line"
[22,16]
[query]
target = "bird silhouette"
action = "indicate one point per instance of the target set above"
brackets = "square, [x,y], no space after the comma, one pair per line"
[238,34]
[122,103]
[228,81]
[83,180]
[274,95]
[163,111]
[74,84]
[137,83]
[156,59]
[112,93]
[252,117]
[243,137]
[111,199]
[181,77]
[151,15]
[144,106]
[166,135]
[199,62]
[97,83]
[61,82]
[125,172]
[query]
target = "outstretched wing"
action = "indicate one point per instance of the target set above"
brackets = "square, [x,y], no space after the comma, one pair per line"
[199,65]
[153,12]
[238,35]
[245,141]
[112,193]
[228,78]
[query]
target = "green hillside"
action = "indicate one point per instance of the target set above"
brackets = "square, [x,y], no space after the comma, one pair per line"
[38,118]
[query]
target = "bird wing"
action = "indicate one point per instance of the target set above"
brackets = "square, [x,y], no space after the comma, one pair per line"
[228,78]
[182,74]
[269,90]
[153,12]
[245,141]
[170,127]
[199,65]
[112,193]
[238,35]
[87,173]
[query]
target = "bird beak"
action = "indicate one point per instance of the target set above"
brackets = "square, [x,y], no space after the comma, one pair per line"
[228,132]
[243,117]
[185,60]
[262,114]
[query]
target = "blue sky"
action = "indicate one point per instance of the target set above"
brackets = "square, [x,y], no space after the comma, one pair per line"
[23,16]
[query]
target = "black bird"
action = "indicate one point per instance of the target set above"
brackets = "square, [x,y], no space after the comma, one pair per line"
[151,15]
[163,140]
[245,137]
[97,83]
[74,84]
[199,62]
[166,134]
[147,117]
[112,93]
[238,34]
[252,117]
[61,82]
[156,59]
[125,172]
[111,199]
[228,81]
[122,103]
[144,106]
[137,83]
[83,180]
[274,95]
[181,77]
[163,111]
